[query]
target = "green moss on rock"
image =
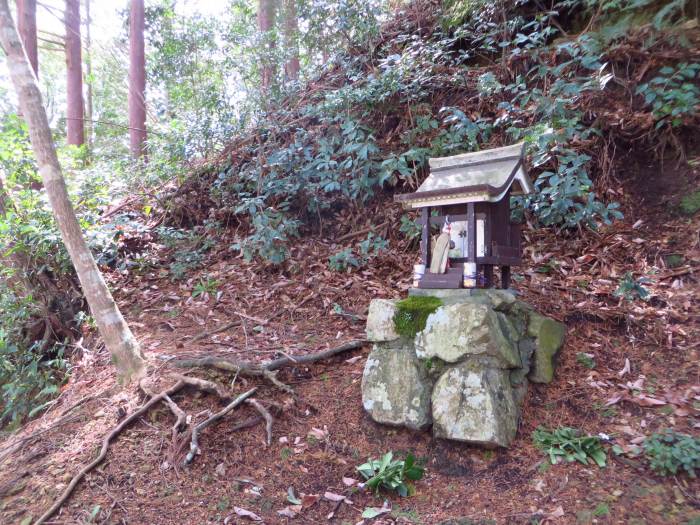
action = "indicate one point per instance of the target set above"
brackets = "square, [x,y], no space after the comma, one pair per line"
[412,313]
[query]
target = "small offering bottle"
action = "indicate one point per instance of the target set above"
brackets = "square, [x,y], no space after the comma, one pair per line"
[469,275]
[418,271]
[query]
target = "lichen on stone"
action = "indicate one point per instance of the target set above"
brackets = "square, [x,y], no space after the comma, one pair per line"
[412,313]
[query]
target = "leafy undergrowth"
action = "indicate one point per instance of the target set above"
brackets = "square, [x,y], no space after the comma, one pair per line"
[645,381]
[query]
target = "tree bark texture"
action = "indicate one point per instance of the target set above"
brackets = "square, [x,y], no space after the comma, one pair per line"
[120,342]
[137,80]
[266,24]
[26,23]
[291,42]
[88,73]
[74,79]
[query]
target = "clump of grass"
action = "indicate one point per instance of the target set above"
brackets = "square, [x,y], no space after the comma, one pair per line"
[412,314]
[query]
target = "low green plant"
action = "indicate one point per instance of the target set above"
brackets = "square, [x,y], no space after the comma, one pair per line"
[205,287]
[669,452]
[347,258]
[567,444]
[391,474]
[412,313]
[631,289]
[586,360]
[690,203]
[343,260]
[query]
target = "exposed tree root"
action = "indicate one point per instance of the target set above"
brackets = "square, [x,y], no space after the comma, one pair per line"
[265,370]
[194,444]
[265,414]
[105,445]
[180,417]
[255,369]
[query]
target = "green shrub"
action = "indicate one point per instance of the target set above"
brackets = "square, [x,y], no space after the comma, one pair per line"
[567,444]
[669,452]
[28,379]
[413,312]
[673,94]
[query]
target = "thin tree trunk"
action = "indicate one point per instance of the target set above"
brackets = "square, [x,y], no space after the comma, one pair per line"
[120,342]
[88,73]
[26,23]
[137,80]
[74,71]
[291,42]
[266,22]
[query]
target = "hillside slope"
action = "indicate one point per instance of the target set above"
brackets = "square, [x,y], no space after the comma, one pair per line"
[281,247]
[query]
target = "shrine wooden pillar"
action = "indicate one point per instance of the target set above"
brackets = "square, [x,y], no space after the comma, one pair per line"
[425,237]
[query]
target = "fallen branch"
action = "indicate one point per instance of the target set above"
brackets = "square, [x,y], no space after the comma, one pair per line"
[194,444]
[265,414]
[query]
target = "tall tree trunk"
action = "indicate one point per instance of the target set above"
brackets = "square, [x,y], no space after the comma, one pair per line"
[88,74]
[137,80]
[125,350]
[74,69]
[266,23]
[291,42]
[26,23]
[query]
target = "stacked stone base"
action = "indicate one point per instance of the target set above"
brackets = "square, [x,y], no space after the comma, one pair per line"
[466,373]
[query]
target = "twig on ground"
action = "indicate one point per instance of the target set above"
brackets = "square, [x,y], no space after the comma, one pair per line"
[265,414]
[194,444]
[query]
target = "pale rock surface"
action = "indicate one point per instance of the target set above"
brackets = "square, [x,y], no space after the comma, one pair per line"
[396,387]
[380,320]
[456,331]
[476,405]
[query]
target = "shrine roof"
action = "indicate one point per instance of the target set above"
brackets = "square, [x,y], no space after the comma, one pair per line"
[481,176]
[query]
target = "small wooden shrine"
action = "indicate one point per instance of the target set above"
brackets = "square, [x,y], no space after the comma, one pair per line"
[471,195]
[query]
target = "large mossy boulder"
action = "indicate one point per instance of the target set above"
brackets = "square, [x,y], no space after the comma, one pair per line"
[396,387]
[461,361]
[456,331]
[475,404]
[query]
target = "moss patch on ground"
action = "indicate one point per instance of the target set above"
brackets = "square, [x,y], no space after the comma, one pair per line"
[412,313]
[690,204]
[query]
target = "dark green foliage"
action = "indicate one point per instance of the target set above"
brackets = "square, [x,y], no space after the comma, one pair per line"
[669,452]
[690,204]
[348,258]
[631,289]
[586,360]
[28,378]
[413,312]
[567,444]
[673,94]
[391,474]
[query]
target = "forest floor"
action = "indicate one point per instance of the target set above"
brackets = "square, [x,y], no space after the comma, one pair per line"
[646,377]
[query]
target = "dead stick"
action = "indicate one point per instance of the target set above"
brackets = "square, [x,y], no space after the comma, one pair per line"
[194,444]
[264,413]
[103,451]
